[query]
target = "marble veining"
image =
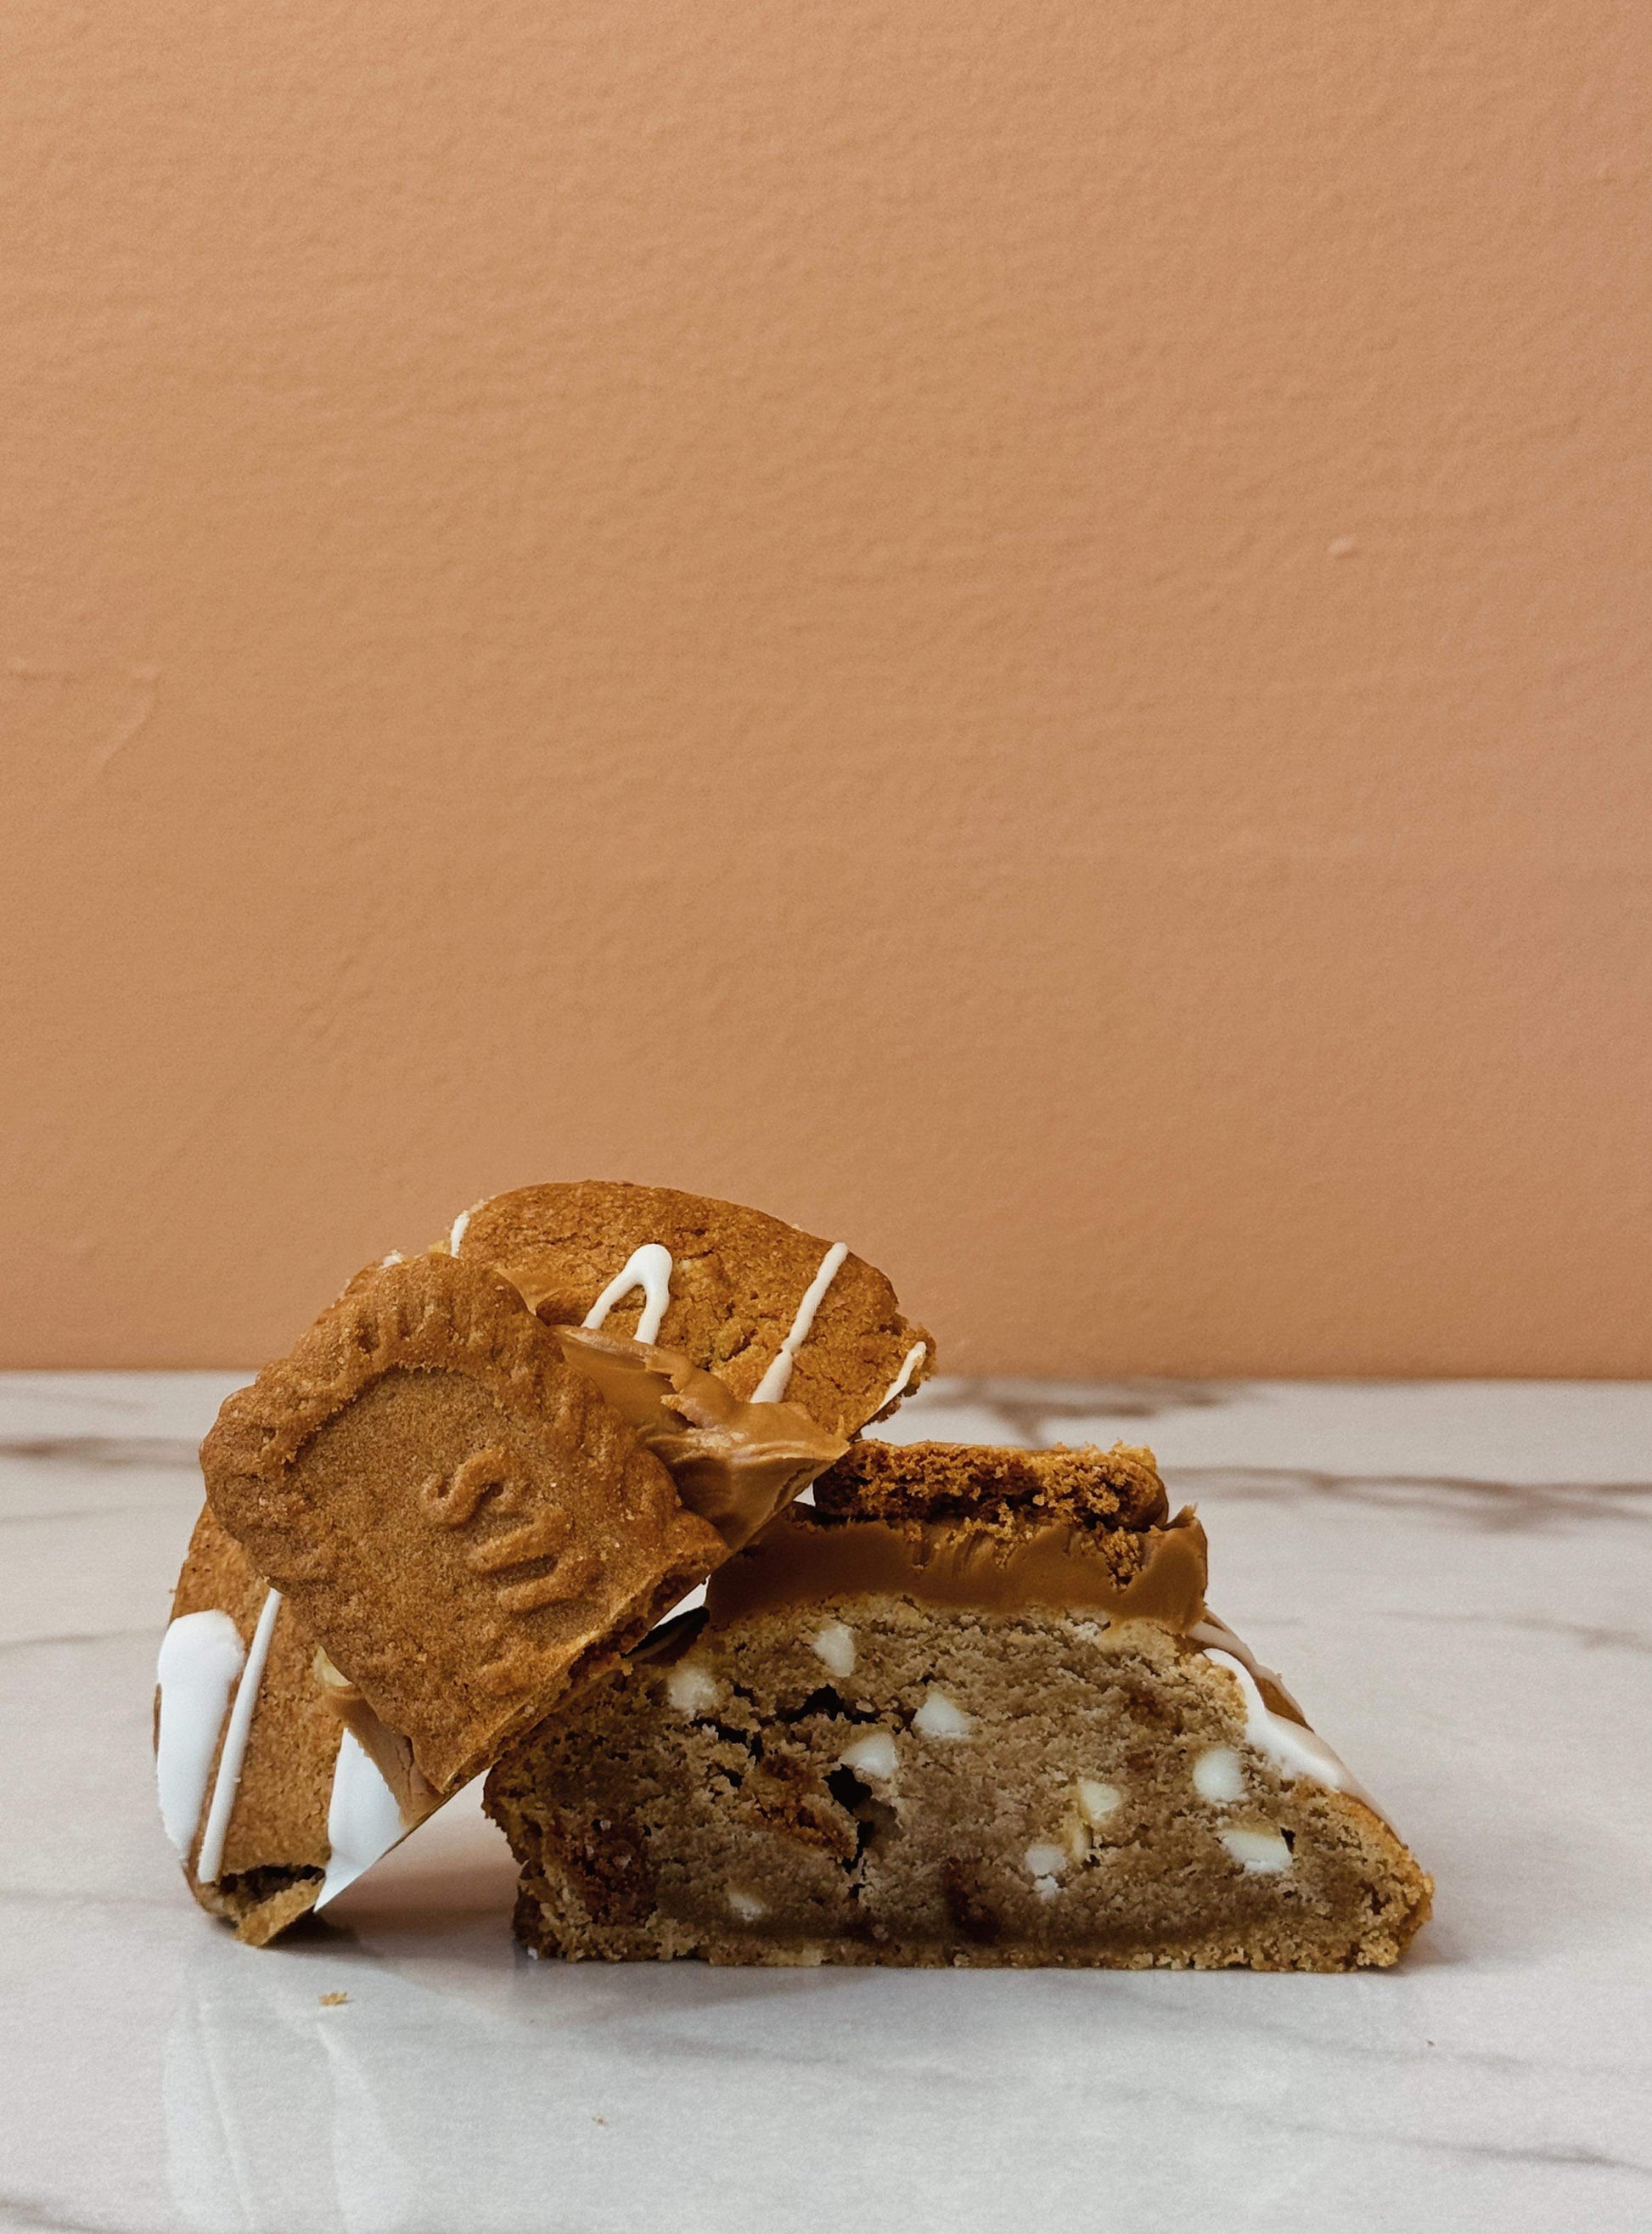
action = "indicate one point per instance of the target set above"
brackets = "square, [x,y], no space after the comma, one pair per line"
[99,1450]
[1033,1412]
[1454,1581]
[1591,1636]
[1495,1504]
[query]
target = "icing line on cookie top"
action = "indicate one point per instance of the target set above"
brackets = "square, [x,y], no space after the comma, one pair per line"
[201,1655]
[1293,1749]
[909,1366]
[1213,1630]
[363,1820]
[649,1267]
[772,1386]
[210,1860]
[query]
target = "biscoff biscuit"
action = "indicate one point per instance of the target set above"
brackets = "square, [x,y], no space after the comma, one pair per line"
[773,1311]
[458,1519]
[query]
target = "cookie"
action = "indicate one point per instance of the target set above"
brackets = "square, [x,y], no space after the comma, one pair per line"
[773,1312]
[456,1517]
[278,1784]
[902,1733]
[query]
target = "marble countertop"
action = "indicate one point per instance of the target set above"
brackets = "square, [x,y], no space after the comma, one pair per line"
[1454,1578]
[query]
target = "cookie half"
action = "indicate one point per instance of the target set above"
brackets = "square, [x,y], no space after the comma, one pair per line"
[279,1785]
[773,1312]
[971,1709]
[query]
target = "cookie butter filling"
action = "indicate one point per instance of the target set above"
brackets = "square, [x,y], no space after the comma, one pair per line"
[1057,1564]
[390,1753]
[736,1464]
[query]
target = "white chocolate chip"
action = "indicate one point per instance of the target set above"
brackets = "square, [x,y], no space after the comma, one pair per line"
[1259,1851]
[746,1905]
[1218,1775]
[1097,1801]
[872,1756]
[692,1689]
[941,1717]
[1045,1888]
[1044,1861]
[836,1646]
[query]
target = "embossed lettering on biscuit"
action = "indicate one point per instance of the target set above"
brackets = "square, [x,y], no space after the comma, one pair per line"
[442,1496]
[454,1501]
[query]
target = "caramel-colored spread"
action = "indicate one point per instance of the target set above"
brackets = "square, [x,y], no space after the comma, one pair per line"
[388,1751]
[736,1465]
[1052,1564]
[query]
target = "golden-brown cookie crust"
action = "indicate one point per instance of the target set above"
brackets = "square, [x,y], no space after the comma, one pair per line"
[738,1277]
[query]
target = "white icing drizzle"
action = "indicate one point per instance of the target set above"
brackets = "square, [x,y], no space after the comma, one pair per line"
[649,1269]
[909,1366]
[1293,1750]
[200,1658]
[772,1386]
[210,1860]
[363,1820]
[1213,1630]
[456,1233]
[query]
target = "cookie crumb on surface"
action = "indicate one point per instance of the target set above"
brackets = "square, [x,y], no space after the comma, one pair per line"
[332,2000]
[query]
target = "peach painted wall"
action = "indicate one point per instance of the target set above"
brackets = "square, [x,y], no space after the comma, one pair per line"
[1018,632]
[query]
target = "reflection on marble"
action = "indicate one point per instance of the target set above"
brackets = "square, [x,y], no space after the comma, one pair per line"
[1455,1580]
